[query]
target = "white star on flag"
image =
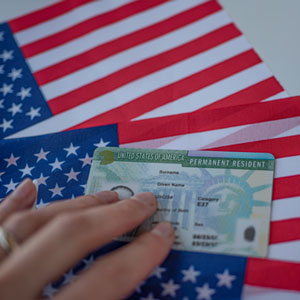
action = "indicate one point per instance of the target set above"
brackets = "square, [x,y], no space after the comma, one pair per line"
[157,272]
[101,143]
[225,279]
[41,204]
[6,124]
[56,165]
[190,274]
[169,288]
[11,186]
[15,108]
[86,160]
[42,179]
[71,149]
[24,93]
[1,69]
[72,175]
[149,297]
[6,55]
[11,160]
[1,102]
[34,112]
[49,291]
[41,155]
[56,190]
[26,170]
[69,277]
[6,89]
[1,173]
[1,36]
[15,74]
[205,292]
[88,262]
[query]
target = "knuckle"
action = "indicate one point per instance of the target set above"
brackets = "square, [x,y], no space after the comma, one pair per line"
[130,207]
[71,223]
[87,200]
[19,219]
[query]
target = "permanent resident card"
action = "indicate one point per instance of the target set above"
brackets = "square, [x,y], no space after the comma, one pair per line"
[216,201]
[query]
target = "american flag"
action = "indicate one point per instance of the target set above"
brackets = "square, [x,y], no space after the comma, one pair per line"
[173,74]
[102,61]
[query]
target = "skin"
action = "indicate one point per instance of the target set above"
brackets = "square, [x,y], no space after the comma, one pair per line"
[66,231]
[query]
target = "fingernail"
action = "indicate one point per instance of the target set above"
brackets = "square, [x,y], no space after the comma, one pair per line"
[147,198]
[24,192]
[163,229]
[107,196]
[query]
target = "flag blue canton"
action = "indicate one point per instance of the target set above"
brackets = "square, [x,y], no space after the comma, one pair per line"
[21,101]
[183,275]
[192,275]
[60,162]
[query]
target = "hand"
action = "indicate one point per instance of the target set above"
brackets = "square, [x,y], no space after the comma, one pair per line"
[54,238]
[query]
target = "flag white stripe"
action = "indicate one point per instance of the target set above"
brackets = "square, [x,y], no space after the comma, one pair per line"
[261,293]
[212,93]
[259,131]
[203,140]
[109,33]
[288,208]
[277,96]
[285,251]
[67,20]
[134,55]
[287,166]
[292,131]
[152,144]
[199,140]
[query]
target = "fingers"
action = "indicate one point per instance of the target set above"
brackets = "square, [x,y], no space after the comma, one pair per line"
[21,198]
[68,238]
[124,268]
[24,224]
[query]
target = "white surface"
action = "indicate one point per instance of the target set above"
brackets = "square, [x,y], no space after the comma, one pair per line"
[271,26]
[14,8]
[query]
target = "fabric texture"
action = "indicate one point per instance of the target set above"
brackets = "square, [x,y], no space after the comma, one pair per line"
[169,75]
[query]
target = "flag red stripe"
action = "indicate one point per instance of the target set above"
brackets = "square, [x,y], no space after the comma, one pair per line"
[285,231]
[285,187]
[125,42]
[255,93]
[153,64]
[278,147]
[44,14]
[252,94]
[206,120]
[87,26]
[273,274]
